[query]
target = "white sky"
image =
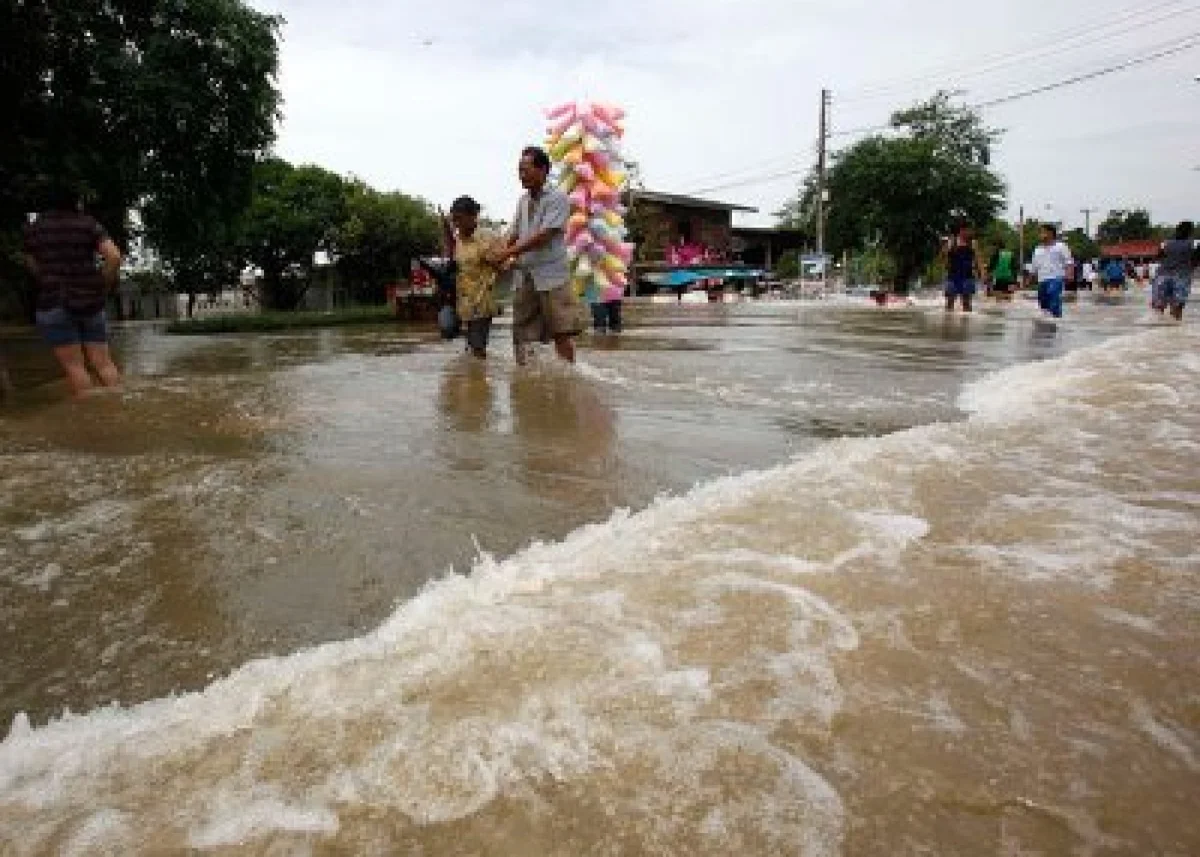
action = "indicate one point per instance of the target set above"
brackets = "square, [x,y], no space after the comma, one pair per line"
[437,98]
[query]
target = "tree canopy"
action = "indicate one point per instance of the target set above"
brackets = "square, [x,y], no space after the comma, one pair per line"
[380,233]
[136,101]
[1081,245]
[1125,225]
[294,213]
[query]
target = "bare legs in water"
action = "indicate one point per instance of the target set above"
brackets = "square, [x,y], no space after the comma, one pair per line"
[75,359]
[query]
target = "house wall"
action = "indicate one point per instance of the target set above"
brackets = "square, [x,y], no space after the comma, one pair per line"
[656,226]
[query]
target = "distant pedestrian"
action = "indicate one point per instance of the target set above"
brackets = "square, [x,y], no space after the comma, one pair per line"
[1178,260]
[1003,270]
[1089,275]
[1114,275]
[61,249]
[1051,260]
[963,270]
[606,311]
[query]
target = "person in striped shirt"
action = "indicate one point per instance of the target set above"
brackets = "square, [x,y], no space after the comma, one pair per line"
[62,247]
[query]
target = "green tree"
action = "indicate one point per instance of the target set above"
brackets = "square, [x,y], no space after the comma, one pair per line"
[787,266]
[902,192]
[380,235]
[1081,245]
[294,213]
[135,99]
[800,212]
[1125,225]
[956,132]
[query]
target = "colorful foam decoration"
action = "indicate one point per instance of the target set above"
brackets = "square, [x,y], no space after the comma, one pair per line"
[584,142]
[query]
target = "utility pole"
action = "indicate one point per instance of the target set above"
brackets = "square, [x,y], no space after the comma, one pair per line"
[1021,240]
[1087,220]
[822,139]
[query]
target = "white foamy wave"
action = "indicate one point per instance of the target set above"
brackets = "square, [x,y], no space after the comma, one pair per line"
[1022,390]
[617,679]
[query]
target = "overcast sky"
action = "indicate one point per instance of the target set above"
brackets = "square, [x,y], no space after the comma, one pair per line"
[437,98]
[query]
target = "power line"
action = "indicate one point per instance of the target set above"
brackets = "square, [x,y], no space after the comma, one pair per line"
[752,168]
[1171,49]
[1051,45]
[1177,47]
[1180,47]
[752,181]
[885,126]
[985,66]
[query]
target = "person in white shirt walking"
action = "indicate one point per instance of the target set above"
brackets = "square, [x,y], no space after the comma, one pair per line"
[1051,260]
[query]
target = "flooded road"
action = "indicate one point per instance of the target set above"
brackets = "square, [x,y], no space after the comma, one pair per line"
[889,583]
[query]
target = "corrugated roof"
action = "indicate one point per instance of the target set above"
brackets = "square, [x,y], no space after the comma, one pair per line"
[690,201]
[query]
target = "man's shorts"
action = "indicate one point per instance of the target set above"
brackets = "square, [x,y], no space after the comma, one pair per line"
[1003,288]
[540,316]
[960,288]
[1170,291]
[60,328]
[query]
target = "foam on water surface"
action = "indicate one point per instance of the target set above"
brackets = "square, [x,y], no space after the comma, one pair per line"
[673,678]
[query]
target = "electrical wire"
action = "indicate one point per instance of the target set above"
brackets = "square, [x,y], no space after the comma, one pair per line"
[1161,52]
[1177,47]
[1048,46]
[998,61]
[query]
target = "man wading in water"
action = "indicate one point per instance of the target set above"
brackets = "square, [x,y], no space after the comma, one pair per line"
[963,271]
[1178,260]
[1050,263]
[544,307]
[60,249]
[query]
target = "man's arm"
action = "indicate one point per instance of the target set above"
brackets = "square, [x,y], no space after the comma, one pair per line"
[112,262]
[532,242]
[558,209]
[510,235]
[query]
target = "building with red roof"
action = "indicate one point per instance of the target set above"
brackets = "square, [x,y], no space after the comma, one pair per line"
[1137,251]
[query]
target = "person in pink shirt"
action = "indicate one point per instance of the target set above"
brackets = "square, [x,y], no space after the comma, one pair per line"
[606,310]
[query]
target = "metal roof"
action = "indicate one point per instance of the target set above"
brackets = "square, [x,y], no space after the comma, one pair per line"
[689,201]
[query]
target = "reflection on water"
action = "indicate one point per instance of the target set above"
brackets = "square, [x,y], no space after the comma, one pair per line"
[567,437]
[970,637]
[467,398]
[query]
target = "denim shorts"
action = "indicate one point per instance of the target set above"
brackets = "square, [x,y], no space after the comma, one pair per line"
[60,328]
[960,288]
[1171,291]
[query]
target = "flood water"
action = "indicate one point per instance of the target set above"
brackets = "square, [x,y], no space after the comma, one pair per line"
[750,579]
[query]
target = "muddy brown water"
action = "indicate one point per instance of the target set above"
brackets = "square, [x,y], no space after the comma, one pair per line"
[888,583]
